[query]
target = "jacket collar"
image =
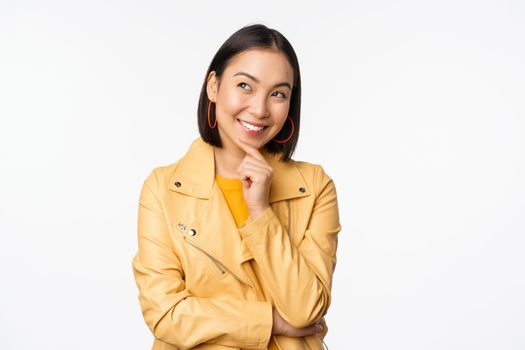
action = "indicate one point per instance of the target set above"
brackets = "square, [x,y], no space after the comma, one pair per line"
[195,175]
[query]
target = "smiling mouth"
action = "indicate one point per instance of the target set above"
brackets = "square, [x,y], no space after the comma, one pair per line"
[251,126]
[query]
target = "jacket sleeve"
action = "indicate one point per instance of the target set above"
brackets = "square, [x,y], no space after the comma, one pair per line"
[171,312]
[299,278]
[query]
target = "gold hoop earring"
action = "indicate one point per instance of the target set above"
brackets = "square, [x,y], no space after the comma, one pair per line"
[283,141]
[209,122]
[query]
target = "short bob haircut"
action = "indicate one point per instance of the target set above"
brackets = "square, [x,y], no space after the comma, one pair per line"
[251,37]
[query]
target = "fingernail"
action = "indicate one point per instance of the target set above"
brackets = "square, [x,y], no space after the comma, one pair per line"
[319,328]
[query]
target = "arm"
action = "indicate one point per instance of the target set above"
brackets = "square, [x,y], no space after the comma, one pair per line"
[172,313]
[299,279]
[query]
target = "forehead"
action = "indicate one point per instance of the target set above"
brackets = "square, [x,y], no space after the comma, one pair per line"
[265,64]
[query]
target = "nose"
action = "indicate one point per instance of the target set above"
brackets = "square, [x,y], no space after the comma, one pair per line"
[260,107]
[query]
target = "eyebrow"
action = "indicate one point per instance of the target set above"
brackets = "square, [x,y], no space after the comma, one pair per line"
[257,80]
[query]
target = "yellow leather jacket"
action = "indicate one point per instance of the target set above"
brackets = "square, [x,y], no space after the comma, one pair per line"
[195,290]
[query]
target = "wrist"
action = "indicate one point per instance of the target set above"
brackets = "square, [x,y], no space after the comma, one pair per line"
[256,212]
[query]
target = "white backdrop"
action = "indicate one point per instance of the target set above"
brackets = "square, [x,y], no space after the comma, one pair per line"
[419,104]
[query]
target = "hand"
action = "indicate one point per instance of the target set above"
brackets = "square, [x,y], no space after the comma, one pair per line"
[256,177]
[280,326]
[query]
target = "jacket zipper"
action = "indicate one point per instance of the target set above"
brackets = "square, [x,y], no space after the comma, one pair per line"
[215,262]
[221,268]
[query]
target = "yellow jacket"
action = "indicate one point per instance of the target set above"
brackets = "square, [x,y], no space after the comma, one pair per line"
[195,269]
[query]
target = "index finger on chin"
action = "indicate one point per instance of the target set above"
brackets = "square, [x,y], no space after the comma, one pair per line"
[249,149]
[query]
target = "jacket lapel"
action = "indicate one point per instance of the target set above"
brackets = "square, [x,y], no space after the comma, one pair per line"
[216,231]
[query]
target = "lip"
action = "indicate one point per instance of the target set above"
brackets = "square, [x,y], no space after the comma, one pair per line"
[255,124]
[252,132]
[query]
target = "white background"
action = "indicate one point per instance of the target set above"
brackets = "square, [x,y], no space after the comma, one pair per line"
[414,108]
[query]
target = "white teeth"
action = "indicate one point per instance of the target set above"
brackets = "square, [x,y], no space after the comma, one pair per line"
[250,126]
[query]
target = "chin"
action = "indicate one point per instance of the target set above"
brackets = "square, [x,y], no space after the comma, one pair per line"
[255,143]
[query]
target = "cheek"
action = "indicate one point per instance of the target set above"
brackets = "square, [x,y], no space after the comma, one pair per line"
[281,113]
[232,104]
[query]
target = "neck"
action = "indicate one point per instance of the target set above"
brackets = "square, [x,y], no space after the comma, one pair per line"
[227,160]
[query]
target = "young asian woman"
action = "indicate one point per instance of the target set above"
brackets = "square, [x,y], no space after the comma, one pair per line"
[236,240]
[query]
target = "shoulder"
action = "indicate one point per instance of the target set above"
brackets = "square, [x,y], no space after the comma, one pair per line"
[314,174]
[159,175]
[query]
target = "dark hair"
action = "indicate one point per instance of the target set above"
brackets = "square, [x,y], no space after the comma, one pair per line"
[250,37]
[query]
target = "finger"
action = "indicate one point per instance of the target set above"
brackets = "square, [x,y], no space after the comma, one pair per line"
[254,172]
[248,177]
[246,183]
[251,160]
[309,330]
[256,166]
[255,163]
[259,164]
[316,328]
[249,149]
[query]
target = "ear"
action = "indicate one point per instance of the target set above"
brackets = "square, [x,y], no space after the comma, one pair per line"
[212,86]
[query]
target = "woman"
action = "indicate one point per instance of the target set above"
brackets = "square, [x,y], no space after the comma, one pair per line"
[236,240]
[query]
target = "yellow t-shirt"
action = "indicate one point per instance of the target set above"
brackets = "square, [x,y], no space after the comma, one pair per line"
[232,190]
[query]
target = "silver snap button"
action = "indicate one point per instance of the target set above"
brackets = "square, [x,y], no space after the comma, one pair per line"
[177,183]
[192,232]
[302,189]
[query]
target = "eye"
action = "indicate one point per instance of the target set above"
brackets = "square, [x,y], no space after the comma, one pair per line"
[242,84]
[283,95]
